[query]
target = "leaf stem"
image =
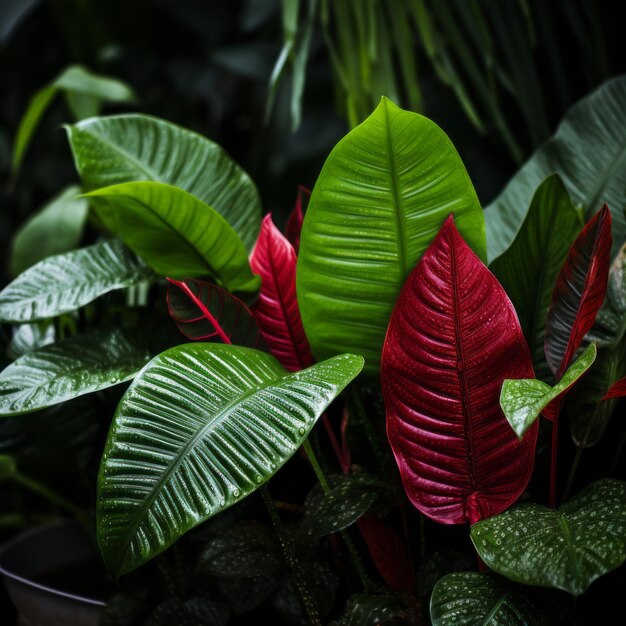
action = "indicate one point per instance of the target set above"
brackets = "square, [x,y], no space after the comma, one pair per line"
[370,433]
[572,472]
[290,558]
[356,559]
[553,455]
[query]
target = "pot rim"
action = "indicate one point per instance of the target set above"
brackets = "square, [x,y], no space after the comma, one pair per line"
[31,583]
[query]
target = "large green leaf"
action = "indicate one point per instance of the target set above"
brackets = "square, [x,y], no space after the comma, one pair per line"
[70,368]
[55,229]
[589,413]
[528,269]
[523,399]
[473,599]
[126,148]
[382,196]
[68,281]
[175,233]
[84,90]
[588,152]
[200,428]
[564,549]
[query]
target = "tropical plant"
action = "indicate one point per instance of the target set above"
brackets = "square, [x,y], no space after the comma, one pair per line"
[236,339]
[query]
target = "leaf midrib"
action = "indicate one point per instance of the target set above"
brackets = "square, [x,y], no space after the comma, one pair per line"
[139,515]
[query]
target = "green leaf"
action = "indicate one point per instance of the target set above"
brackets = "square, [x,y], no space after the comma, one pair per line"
[474,599]
[528,269]
[75,81]
[564,549]
[67,369]
[7,467]
[29,337]
[375,609]
[127,148]
[522,400]
[350,496]
[588,152]
[68,281]
[382,196]
[200,428]
[175,233]
[55,229]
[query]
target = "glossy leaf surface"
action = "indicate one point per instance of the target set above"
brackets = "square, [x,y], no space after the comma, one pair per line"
[70,368]
[66,282]
[175,233]
[200,428]
[125,148]
[566,548]
[528,269]
[57,228]
[588,152]
[382,196]
[475,599]
[578,292]
[206,312]
[523,400]
[276,309]
[452,340]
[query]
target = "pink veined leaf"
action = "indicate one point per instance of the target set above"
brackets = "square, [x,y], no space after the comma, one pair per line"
[452,340]
[578,292]
[388,552]
[276,309]
[296,217]
[206,312]
[618,390]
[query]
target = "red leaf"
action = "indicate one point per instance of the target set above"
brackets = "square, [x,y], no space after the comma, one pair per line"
[578,292]
[388,552]
[452,339]
[276,309]
[206,312]
[618,390]
[296,217]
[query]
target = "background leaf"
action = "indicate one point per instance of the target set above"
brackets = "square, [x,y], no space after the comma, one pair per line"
[58,227]
[565,549]
[379,201]
[126,148]
[68,369]
[200,428]
[205,312]
[587,151]
[66,282]
[175,233]
[452,340]
[276,309]
[528,269]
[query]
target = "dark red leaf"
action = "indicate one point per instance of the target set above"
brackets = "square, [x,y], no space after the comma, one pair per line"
[296,217]
[206,312]
[618,390]
[388,552]
[578,292]
[452,339]
[276,309]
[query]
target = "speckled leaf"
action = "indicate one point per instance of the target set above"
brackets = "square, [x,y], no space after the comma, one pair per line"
[175,233]
[125,148]
[528,269]
[578,292]
[382,196]
[350,496]
[376,609]
[66,282]
[202,426]
[522,400]
[194,611]
[588,152]
[68,369]
[453,339]
[206,312]
[564,549]
[473,599]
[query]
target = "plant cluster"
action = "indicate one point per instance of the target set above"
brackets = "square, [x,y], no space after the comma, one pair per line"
[413,325]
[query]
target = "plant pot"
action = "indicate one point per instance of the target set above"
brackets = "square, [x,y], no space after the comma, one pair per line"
[54,576]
